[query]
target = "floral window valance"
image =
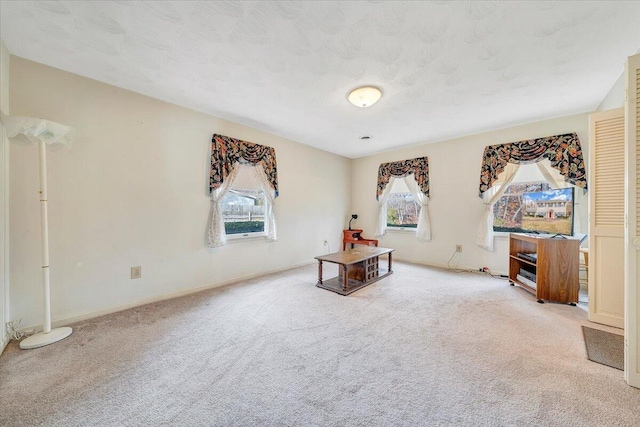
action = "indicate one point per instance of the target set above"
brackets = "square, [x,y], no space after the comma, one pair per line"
[563,152]
[419,167]
[226,152]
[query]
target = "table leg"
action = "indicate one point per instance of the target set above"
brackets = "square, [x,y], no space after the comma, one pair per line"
[390,271]
[319,272]
[345,279]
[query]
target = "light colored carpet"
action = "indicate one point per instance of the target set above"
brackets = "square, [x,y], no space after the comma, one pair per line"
[421,347]
[604,347]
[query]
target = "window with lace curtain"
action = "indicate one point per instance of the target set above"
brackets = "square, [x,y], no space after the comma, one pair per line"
[530,204]
[558,158]
[402,209]
[247,173]
[404,179]
[244,206]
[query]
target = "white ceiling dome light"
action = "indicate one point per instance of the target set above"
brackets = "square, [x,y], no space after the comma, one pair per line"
[364,96]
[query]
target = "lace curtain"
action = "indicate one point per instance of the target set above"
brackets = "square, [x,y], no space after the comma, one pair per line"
[227,154]
[552,176]
[490,197]
[269,192]
[416,175]
[217,236]
[423,232]
[381,228]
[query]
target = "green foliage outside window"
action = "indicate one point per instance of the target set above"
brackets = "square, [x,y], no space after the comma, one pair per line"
[402,211]
[242,227]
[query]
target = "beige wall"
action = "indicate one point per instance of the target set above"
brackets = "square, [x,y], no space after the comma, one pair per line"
[4,197]
[615,96]
[455,207]
[4,77]
[132,191]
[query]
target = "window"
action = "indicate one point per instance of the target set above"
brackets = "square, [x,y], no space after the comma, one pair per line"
[402,210]
[243,207]
[243,211]
[530,205]
[509,210]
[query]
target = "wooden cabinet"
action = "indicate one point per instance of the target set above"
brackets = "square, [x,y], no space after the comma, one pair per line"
[545,266]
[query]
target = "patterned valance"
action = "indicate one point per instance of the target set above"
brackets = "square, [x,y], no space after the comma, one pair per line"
[226,152]
[563,151]
[419,167]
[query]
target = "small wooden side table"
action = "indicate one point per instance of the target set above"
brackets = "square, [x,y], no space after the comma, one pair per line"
[355,238]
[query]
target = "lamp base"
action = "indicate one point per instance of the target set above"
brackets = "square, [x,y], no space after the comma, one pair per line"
[41,339]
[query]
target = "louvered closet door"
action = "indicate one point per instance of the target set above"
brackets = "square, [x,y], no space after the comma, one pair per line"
[606,217]
[632,261]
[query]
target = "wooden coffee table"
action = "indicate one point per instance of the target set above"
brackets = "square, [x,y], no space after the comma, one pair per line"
[358,267]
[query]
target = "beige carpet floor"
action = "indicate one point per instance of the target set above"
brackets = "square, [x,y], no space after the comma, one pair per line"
[423,347]
[604,347]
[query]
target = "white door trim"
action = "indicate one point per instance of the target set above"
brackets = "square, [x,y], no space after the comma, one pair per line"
[4,250]
[632,231]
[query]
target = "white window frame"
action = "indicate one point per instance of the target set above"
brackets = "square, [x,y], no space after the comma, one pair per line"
[514,182]
[252,235]
[529,173]
[399,184]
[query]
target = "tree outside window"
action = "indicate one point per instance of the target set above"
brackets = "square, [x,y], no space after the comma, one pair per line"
[402,211]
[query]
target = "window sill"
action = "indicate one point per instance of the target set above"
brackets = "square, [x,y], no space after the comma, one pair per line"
[501,234]
[402,229]
[245,236]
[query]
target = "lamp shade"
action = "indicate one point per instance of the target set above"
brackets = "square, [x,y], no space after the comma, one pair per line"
[364,96]
[44,133]
[37,129]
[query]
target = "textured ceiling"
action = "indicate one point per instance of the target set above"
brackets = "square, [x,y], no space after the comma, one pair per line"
[447,69]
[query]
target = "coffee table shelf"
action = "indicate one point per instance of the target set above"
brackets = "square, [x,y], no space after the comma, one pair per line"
[358,267]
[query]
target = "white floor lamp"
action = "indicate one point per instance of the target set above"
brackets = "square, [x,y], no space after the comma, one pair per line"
[43,132]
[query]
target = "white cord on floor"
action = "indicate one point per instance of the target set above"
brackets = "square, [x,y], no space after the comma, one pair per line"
[14,333]
[455,270]
[462,270]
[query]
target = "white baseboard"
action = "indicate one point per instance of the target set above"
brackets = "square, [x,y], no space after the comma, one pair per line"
[445,267]
[150,300]
[5,342]
[90,315]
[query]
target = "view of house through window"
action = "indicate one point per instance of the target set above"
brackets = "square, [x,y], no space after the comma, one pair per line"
[243,207]
[402,210]
[534,207]
[243,211]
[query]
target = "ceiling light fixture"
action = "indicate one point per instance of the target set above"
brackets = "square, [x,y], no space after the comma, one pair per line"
[364,96]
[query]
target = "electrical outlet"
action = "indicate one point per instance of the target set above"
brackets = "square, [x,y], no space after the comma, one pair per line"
[458,248]
[136,272]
